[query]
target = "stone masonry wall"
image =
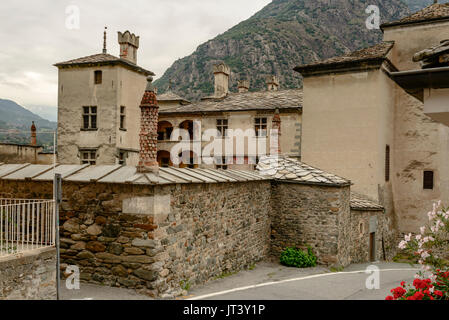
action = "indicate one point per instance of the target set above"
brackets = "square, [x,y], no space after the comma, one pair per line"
[29,276]
[158,240]
[312,215]
[360,231]
[214,229]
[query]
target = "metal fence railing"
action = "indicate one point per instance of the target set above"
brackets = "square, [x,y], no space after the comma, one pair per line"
[26,224]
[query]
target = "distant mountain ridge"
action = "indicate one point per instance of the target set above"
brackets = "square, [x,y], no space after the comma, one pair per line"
[282,35]
[15,123]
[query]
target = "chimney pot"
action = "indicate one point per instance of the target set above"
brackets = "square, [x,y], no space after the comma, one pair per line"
[33,135]
[272,83]
[129,43]
[149,119]
[221,74]
[243,85]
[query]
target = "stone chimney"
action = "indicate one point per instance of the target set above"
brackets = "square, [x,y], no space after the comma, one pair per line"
[272,83]
[221,73]
[243,85]
[149,117]
[129,43]
[275,135]
[33,135]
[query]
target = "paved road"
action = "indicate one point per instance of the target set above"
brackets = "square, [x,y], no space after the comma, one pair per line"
[270,281]
[281,283]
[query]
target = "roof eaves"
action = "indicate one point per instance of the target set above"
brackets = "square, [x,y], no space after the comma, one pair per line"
[413,22]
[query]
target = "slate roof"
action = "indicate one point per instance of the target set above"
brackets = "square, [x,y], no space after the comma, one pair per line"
[435,12]
[362,203]
[374,55]
[102,59]
[288,169]
[124,174]
[245,101]
[171,96]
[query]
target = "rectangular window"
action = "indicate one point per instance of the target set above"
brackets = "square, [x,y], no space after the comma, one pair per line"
[98,77]
[88,157]
[122,118]
[387,163]
[122,158]
[428,180]
[222,127]
[89,117]
[260,127]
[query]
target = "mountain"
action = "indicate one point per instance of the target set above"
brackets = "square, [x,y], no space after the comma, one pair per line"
[15,123]
[416,5]
[279,37]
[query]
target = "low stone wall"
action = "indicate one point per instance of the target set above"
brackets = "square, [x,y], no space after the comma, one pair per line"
[213,229]
[29,276]
[157,239]
[311,215]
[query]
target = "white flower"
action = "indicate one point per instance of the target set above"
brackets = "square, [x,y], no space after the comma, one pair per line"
[402,244]
[425,255]
[418,237]
[408,237]
[423,229]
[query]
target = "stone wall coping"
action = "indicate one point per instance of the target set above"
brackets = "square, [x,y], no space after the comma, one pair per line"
[27,254]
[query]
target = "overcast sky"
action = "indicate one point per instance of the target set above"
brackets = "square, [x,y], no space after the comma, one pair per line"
[34,35]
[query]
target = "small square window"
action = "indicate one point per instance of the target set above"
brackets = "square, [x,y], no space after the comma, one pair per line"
[88,157]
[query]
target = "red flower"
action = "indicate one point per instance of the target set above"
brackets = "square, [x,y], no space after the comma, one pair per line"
[418,295]
[398,292]
[411,298]
[438,293]
[389,298]
[403,284]
[419,284]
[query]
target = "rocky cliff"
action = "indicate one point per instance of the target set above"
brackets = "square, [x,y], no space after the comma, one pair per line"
[282,35]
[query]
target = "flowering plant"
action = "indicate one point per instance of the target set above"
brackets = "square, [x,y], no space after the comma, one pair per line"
[431,247]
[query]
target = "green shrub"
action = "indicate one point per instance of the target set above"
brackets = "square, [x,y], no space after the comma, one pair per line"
[293,257]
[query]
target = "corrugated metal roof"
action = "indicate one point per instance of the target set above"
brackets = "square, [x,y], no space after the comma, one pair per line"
[124,174]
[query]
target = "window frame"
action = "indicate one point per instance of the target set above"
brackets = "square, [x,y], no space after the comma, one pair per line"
[222,126]
[261,124]
[91,116]
[98,77]
[92,156]
[428,184]
[122,118]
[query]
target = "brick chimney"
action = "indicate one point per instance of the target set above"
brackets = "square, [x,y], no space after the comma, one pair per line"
[33,135]
[243,85]
[129,43]
[272,83]
[221,74]
[149,117]
[275,136]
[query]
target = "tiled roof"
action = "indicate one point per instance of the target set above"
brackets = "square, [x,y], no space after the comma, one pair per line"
[362,203]
[171,96]
[376,53]
[434,12]
[102,58]
[288,169]
[261,100]
[124,174]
